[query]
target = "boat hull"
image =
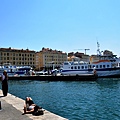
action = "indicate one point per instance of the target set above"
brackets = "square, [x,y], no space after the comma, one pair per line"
[99,72]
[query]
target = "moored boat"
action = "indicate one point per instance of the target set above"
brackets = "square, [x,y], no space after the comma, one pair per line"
[104,66]
[14,70]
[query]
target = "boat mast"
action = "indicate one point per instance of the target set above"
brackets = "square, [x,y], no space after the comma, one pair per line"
[98,50]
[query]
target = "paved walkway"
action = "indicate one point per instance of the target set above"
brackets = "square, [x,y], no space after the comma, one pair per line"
[12,109]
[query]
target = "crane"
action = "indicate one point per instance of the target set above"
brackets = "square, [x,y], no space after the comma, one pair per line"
[83,49]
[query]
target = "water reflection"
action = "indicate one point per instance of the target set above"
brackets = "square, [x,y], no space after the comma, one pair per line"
[108,82]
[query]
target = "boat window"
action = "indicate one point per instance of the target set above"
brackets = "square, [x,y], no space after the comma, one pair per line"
[114,65]
[100,66]
[107,66]
[103,66]
[75,67]
[86,67]
[93,66]
[82,67]
[119,64]
[78,67]
[96,66]
[89,66]
[66,63]
[72,67]
[75,63]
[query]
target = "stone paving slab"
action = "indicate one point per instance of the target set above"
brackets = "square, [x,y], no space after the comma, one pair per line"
[12,109]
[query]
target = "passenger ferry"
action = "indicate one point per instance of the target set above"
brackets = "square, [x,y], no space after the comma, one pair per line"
[106,65]
[14,70]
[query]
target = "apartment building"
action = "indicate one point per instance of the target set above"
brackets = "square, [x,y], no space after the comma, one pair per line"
[48,58]
[78,57]
[17,57]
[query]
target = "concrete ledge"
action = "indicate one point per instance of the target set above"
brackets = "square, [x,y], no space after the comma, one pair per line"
[12,109]
[82,77]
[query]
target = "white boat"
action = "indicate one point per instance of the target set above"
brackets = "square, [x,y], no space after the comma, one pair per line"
[106,65]
[14,70]
[41,72]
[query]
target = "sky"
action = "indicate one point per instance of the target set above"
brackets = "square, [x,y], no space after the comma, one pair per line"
[65,25]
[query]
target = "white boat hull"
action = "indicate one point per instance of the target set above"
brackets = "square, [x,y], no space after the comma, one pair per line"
[109,73]
[98,72]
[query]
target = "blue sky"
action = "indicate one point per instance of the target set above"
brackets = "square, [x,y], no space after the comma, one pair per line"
[65,25]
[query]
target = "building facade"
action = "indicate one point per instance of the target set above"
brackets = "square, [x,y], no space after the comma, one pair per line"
[78,56]
[50,59]
[17,57]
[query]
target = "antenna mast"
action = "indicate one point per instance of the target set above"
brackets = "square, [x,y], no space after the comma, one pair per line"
[83,49]
[98,50]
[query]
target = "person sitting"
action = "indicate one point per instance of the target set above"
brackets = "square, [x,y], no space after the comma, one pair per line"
[29,105]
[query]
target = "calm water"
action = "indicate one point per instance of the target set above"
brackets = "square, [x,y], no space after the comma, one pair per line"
[73,100]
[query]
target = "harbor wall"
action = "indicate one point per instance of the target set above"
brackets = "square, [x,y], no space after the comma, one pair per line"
[55,78]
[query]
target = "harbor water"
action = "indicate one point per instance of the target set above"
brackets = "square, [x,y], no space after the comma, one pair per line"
[75,100]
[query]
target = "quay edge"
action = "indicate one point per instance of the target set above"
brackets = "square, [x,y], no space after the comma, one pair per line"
[89,77]
[12,109]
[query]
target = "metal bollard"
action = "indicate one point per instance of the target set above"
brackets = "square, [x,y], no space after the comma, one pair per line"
[0,105]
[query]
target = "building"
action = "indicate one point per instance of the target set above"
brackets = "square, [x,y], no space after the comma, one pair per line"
[17,57]
[49,59]
[78,56]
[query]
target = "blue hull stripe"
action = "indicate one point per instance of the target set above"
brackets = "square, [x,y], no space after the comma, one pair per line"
[90,70]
